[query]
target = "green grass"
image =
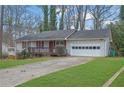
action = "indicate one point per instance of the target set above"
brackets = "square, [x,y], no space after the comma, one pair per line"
[92,74]
[119,81]
[12,63]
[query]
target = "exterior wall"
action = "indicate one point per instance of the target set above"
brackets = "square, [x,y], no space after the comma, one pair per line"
[103,43]
[11,51]
[4,48]
[33,44]
[107,46]
[19,47]
[46,44]
[61,43]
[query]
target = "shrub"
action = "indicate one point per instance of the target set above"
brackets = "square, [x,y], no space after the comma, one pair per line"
[23,55]
[60,51]
[0,54]
[3,55]
[121,51]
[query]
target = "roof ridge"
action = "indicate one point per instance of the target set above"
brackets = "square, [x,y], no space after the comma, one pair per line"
[70,34]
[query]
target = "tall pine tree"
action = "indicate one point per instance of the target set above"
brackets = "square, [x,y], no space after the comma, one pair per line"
[45,25]
[53,18]
[61,25]
[1,27]
[122,13]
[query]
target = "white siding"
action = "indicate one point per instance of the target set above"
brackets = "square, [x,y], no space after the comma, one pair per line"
[19,47]
[103,46]
[46,44]
[4,48]
[107,46]
[33,44]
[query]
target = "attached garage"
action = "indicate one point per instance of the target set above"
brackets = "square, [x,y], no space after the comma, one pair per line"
[89,43]
[87,48]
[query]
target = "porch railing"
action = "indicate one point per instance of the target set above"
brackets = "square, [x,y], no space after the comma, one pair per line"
[38,50]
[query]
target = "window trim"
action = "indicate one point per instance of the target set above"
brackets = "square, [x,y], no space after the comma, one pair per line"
[59,42]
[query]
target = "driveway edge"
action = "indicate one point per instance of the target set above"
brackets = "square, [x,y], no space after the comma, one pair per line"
[109,82]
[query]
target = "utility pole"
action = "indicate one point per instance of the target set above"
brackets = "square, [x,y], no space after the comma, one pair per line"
[1,28]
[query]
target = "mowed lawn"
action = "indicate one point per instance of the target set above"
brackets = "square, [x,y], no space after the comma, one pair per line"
[92,74]
[12,63]
[119,82]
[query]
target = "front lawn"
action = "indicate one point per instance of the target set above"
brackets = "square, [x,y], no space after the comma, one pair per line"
[119,82]
[12,63]
[92,74]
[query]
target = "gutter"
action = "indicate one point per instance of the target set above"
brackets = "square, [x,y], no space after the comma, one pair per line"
[41,39]
[87,39]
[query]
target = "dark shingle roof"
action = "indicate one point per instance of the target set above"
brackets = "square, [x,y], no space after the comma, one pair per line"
[50,35]
[61,35]
[90,34]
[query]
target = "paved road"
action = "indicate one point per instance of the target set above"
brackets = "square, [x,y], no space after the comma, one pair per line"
[14,76]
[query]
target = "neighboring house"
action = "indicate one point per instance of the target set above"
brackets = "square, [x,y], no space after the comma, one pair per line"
[12,51]
[77,43]
[5,48]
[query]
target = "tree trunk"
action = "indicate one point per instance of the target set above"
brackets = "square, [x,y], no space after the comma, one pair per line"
[83,18]
[61,26]
[1,27]
[53,17]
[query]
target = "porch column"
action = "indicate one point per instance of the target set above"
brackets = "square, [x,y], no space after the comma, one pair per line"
[42,43]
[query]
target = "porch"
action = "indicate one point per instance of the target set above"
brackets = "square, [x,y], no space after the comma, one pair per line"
[38,51]
[42,48]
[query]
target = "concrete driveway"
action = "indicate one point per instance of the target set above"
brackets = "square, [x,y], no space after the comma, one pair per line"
[14,76]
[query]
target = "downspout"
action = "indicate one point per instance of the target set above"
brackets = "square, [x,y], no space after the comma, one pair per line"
[110,41]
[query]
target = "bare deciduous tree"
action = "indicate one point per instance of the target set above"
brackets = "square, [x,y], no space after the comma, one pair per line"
[100,13]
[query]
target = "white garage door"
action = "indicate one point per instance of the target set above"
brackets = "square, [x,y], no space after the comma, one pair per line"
[86,49]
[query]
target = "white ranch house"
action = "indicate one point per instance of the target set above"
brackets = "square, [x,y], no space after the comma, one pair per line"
[77,43]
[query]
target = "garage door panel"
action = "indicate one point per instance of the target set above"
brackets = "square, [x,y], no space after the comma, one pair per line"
[86,49]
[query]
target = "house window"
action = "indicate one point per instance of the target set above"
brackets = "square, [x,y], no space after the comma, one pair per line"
[29,44]
[90,47]
[26,44]
[76,47]
[83,47]
[73,47]
[23,44]
[86,47]
[98,47]
[59,42]
[39,43]
[94,47]
[46,44]
[79,47]
[11,49]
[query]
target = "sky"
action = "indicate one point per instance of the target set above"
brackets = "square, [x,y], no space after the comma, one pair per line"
[38,12]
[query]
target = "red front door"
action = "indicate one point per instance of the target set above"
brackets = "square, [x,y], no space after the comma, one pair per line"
[51,46]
